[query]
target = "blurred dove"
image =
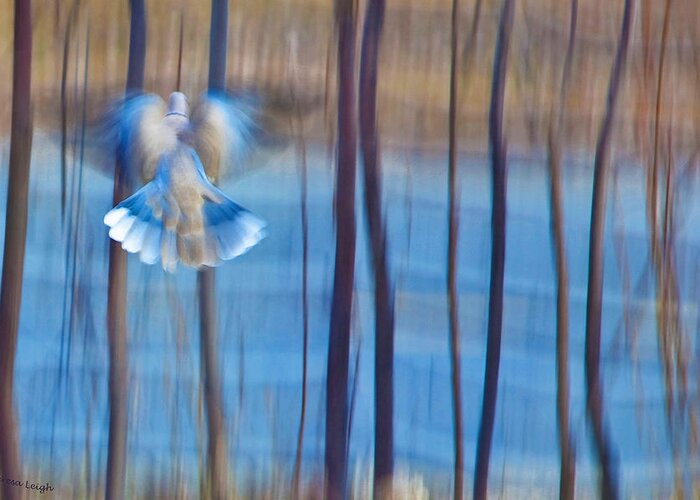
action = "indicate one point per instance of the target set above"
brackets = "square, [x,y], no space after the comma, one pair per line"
[179,214]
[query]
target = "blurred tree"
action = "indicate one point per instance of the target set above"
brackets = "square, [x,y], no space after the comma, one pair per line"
[206,281]
[607,460]
[453,238]
[116,291]
[15,239]
[567,480]
[336,447]
[498,251]
[298,123]
[470,42]
[383,290]
[301,148]
[668,316]
[72,16]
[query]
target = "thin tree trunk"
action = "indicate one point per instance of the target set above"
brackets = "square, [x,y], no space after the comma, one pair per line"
[15,240]
[383,293]
[296,478]
[181,39]
[655,247]
[664,279]
[301,150]
[336,446]
[116,291]
[498,252]
[66,333]
[64,107]
[216,438]
[470,44]
[218,37]
[206,281]
[567,478]
[453,237]
[594,392]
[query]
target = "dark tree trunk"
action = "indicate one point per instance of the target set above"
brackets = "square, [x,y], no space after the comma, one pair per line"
[498,252]
[336,455]
[218,37]
[206,281]
[383,293]
[567,479]
[297,124]
[216,437]
[453,238]
[296,476]
[137,47]
[15,239]
[116,292]
[594,392]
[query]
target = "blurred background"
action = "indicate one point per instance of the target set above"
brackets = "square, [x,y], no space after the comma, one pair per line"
[285,51]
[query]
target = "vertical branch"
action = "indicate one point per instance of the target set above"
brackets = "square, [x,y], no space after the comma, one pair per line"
[659,255]
[65,323]
[64,106]
[567,479]
[336,457]
[217,44]
[216,438]
[305,312]
[656,250]
[453,237]
[72,283]
[178,81]
[594,391]
[383,293]
[15,239]
[301,148]
[116,288]
[137,46]
[206,284]
[470,44]
[498,252]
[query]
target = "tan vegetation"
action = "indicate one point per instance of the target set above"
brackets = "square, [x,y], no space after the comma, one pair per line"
[414,63]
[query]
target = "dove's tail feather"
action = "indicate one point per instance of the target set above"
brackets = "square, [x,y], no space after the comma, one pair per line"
[134,224]
[227,230]
[230,229]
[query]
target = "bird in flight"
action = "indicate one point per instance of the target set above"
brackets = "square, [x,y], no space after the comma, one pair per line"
[179,214]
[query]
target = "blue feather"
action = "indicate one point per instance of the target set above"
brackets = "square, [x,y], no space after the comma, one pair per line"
[234,228]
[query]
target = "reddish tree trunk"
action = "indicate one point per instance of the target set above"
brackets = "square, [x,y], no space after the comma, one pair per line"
[15,239]
[567,477]
[117,287]
[206,281]
[383,293]
[498,252]
[336,449]
[452,294]
[606,456]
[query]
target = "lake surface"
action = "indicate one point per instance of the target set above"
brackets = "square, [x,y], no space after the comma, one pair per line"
[61,371]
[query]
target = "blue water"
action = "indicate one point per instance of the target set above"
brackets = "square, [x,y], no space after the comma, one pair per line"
[60,378]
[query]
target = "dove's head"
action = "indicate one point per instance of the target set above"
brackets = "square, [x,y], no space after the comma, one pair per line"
[178,105]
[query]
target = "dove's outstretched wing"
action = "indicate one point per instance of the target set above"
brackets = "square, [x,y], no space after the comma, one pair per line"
[136,126]
[225,130]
